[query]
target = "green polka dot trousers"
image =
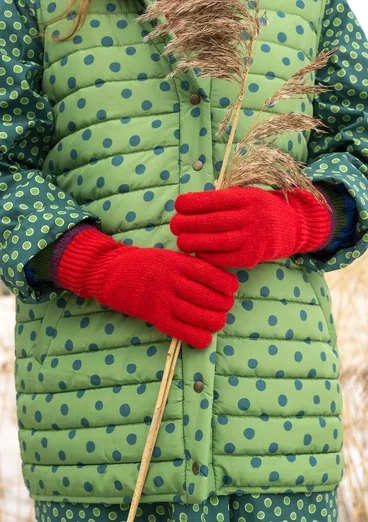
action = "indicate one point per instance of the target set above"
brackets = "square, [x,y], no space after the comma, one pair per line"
[300,507]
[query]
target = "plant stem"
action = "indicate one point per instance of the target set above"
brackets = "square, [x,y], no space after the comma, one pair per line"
[165,386]
[225,162]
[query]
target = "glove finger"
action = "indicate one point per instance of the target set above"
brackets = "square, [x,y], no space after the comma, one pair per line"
[204,296]
[210,201]
[214,277]
[197,316]
[197,337]
[221,242]
[222,221]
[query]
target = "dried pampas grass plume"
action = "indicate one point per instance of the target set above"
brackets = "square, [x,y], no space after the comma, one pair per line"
[211,35]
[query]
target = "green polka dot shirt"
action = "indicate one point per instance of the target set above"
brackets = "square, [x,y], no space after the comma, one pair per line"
[34,212]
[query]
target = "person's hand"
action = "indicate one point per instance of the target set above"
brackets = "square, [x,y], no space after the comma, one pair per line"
[241,227]
[182,296]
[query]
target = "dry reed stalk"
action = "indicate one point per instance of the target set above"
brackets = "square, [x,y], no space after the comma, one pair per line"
[218,37]
[167,378]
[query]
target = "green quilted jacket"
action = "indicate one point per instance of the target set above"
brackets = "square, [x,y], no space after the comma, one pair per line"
[94,131]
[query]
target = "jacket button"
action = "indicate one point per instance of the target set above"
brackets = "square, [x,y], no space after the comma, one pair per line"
[195,99]
[198,386]
[195,468]
[198,165]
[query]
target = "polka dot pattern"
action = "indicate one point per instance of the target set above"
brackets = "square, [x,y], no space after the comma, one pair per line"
[124,143]
[35,211]
[309,507]
[345,111]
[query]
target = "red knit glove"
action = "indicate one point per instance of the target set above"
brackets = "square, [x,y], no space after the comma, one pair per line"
[182,296]
[241,227]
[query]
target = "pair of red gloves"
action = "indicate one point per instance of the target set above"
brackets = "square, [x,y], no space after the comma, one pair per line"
[188,297]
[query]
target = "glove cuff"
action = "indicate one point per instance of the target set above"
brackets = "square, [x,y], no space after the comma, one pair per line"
[84,262]
[317,224]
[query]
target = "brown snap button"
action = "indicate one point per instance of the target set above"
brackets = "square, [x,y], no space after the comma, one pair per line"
[197,165]
[195,468]
[195,99]
[198,386]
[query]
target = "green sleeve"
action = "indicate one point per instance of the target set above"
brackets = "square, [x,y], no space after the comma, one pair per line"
[339,159]
[34,212]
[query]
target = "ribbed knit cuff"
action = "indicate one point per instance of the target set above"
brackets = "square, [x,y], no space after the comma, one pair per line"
[84,262]
[316,222]
[40,264]
[337,211]
[59,247]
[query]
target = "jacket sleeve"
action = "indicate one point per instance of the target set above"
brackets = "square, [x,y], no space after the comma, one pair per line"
[34,212]
[338,160]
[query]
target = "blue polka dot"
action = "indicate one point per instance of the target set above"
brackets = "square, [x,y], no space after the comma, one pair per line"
[101,114]
[121,24]
[298,356]
[90,447]
[115,67]
[95,380]
[131,368]
[274,476]
[247,305]
[134,141]
[225,102]
[158,481]
[77,365]
[130,51]
[107,41]
[252,363]
[253,87]
[286,61]
[229,448]
[282,400]
[272,320]
[256,462]
[243,404]
[72,82]
[169,205]
[265,48]
[261,385]
[146,105]
[228,350]
[165,86]
[272,349]
[131,439]
[125,410]
[282,37]
[233,381]
[126,93]
[249,433]
[86,134]
[95,23]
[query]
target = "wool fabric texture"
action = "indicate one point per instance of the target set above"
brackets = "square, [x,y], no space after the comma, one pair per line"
[182,296]
[246,226]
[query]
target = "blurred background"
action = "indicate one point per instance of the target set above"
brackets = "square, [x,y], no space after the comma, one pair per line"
[350,303]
